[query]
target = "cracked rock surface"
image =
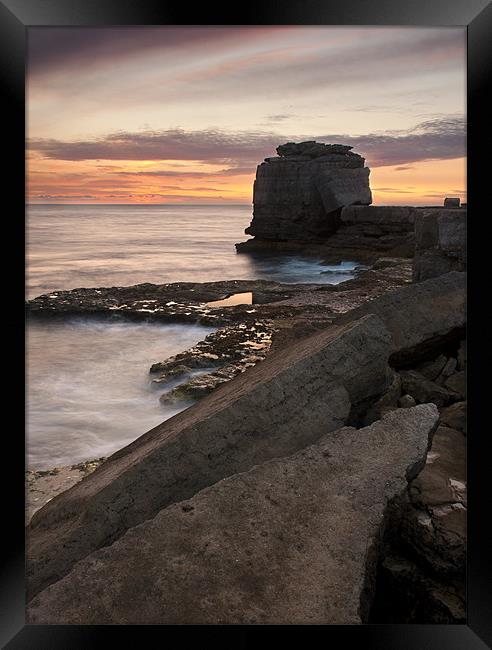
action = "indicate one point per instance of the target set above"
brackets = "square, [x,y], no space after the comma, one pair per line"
[292,540]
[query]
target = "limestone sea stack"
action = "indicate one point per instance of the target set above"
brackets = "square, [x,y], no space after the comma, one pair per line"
[298,195]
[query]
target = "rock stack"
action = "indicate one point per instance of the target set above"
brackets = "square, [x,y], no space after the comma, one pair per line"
[298,194]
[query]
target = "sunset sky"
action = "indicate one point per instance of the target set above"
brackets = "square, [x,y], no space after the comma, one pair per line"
[185,114]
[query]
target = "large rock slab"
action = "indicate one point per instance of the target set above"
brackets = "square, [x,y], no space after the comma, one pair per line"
[298,195]
[273,409]
[422,317]
[440,243]
[292,541]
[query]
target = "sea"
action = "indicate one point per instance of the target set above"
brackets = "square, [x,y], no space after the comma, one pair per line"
[88,387]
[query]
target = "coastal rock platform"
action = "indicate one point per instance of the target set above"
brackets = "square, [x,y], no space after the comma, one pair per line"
[292,540]
[369,232]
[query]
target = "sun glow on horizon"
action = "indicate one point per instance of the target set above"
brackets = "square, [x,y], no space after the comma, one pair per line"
[103,182]
[184,115]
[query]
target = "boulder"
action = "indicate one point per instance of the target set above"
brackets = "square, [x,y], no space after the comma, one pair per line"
[457,384]
[423,390]
[406,401]
[451,202]
[434,526]
[440,243]
[292,541]
[422,576]
[447,371]
[387,262]
[443,479]
[422,318]
[271,410]
[432,369]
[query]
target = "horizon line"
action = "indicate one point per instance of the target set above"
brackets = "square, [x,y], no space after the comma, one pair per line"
[140,204]
[146,205]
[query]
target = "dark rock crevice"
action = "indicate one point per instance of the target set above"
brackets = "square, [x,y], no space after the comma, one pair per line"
[421,573]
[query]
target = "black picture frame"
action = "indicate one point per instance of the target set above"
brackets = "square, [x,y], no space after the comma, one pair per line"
[16,16]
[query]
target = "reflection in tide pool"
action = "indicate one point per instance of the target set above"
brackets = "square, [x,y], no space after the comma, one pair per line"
[245,298]
[89,391]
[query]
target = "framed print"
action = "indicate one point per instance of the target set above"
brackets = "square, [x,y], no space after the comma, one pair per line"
[247,323]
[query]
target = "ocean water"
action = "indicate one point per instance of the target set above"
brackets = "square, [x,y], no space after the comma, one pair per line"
[70,246]
[88,386]
[88,389]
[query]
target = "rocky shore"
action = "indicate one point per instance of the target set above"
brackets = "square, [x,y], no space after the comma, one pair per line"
[319,475]
[43,485]
[435,376]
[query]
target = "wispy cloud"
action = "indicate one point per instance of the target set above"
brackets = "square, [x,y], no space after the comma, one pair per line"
[281,117]
[440,138]
[209,145]
[392,190]
[171,173]
[52,48]
[59,197]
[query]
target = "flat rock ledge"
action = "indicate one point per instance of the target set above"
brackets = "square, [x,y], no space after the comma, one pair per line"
[173,302]
[291,541]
